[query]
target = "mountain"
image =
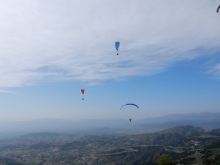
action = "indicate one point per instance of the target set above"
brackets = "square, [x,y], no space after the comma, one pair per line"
[206,116]
[204,120]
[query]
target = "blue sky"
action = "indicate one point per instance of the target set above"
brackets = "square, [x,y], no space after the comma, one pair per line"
[168,58]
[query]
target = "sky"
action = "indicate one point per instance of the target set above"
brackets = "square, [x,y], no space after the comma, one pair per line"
[168,62]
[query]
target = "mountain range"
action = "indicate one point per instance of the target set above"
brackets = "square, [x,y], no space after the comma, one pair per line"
[204,120]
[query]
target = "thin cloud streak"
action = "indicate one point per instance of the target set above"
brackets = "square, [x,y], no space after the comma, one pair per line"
[6,91]
[68,40]
[215,70]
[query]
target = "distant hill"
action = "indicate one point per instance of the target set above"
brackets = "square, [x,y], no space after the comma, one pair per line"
[204,120]
[203,116]
[42,134]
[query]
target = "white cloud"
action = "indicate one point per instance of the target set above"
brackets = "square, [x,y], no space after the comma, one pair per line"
[215,70]
[75,39]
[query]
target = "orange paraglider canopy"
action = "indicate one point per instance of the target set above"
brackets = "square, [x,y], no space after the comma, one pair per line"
[82,91]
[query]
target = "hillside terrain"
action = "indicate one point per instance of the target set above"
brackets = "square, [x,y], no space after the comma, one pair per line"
[186,144]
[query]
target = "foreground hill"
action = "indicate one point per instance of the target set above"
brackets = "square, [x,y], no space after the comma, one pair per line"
[215,132]
[166,137]
[184,143]
[174,135]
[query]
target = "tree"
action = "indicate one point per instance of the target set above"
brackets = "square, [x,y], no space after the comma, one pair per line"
[165,159]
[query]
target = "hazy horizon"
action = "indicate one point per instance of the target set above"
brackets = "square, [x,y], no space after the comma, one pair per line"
[116,118]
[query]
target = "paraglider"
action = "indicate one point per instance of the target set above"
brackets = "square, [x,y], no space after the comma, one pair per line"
[117,44]
[218,9]
[82,91]
[129,104]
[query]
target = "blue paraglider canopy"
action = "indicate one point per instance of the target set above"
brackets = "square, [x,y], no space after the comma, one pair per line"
[117,44]
[129,104]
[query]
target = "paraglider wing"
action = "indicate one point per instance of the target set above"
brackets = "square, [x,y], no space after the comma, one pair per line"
[117,44]
[129,104]
[218,9]
[82,91]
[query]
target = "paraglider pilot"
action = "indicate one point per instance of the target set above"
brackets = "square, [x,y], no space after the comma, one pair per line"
[117,44]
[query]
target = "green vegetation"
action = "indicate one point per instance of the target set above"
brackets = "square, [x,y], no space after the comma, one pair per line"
[207,161]
[165,159]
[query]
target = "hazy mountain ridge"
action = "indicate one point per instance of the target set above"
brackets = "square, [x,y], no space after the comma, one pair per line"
[42,134]
[205,120]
